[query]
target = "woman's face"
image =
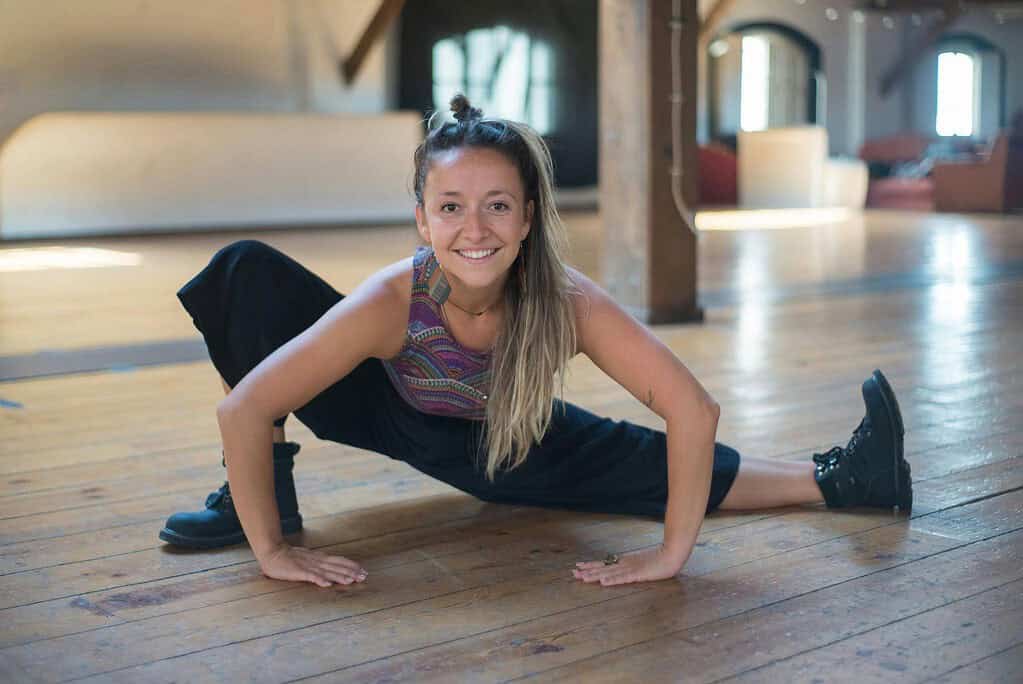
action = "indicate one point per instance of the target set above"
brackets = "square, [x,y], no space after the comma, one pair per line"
[474,214]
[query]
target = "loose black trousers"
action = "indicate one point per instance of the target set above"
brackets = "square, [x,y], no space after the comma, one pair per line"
[251,299]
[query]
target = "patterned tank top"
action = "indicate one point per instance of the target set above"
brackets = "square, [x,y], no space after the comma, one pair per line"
[433,372]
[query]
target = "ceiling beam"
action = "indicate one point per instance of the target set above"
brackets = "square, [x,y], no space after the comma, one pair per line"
[915,53]
[710,23]
[382,20]
[922,6]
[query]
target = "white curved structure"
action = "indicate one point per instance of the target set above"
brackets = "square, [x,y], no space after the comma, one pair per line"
[90,173]
[789,167]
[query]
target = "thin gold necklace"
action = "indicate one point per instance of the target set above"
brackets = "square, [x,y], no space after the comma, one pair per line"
[471,313]
[441,293]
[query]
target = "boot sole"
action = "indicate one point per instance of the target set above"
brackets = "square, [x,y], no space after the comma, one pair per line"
[288,526]
[901,468]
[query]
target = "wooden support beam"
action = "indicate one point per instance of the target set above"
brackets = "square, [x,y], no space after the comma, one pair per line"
[382,20]
[915,53]
[905,6]
[649,247]
[710,23]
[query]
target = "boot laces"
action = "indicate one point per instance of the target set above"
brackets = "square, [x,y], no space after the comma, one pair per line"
[830,459]
[221,499]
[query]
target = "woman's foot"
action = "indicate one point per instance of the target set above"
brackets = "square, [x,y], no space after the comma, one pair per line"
[871,469]
[218,524]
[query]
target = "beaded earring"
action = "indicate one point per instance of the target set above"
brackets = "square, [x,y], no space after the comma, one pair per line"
[441,288]
[522,268]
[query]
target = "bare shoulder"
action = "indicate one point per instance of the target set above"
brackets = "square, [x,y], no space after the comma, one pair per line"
[395,280]
[385,297]
[600,321]
[588,298]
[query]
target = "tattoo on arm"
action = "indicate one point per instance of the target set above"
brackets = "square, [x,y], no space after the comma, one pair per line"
[649,399]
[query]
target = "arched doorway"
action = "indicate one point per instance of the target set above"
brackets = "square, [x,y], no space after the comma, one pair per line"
[762,75]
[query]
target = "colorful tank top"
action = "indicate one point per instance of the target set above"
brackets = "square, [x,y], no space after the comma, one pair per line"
[433,372]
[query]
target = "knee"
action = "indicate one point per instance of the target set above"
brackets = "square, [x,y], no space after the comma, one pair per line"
[245,250]
[246,256]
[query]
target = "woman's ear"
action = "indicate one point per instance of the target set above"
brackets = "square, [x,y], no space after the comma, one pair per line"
[529,219]
[421,224]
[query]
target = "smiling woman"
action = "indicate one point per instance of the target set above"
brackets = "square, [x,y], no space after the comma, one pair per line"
[475,241]
[484,185]
[452,361]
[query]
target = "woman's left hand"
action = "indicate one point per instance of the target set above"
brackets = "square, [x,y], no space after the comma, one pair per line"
[646,565]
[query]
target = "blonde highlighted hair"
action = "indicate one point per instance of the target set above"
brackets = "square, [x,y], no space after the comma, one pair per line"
[538,334]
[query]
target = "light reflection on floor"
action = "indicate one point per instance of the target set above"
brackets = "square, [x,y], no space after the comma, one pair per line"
[771,219]
[917,294]
[47,258]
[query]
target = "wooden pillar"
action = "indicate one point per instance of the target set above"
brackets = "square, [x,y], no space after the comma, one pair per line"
[649,247]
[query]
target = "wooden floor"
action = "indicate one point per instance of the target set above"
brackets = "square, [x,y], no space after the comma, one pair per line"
[92,463]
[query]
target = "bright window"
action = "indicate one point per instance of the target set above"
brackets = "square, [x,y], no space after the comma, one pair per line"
[956,98]
[753,83]
[505,73]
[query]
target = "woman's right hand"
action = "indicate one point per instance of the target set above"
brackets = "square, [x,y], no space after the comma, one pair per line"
[298,564]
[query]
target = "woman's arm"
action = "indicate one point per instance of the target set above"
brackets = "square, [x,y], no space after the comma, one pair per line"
[631,355]
[370,322]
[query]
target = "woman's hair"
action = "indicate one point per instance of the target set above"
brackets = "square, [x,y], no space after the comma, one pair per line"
[538,335]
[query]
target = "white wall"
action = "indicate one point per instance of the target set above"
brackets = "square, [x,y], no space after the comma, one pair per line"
[884,116]
[137,55]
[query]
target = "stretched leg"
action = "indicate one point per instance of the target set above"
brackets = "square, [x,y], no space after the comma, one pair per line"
[598,464]
[251,299]
[870,470]
[766,483]
[248,301]
[588,462]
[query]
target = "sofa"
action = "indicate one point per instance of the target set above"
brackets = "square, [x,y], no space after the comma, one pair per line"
[992,182]
[888,190]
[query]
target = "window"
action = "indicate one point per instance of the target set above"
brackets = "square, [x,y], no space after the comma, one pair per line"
[527,61]
[753,83]
[504,72]
[957,97]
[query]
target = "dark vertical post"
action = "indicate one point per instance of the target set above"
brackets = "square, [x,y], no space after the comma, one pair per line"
[649,247]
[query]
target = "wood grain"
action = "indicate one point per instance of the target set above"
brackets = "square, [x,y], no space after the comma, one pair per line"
[461,590]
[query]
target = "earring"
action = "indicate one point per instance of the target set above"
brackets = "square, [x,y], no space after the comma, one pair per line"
[441,288]
[522,271]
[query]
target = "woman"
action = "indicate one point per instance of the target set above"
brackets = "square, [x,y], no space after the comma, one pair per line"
[452,360]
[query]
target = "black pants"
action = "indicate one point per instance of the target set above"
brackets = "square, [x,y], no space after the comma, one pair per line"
[251,299]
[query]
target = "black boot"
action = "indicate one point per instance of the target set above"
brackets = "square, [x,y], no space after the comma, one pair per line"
[870,470]
[218,525]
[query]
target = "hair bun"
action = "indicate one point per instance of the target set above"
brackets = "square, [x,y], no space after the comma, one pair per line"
[464,112]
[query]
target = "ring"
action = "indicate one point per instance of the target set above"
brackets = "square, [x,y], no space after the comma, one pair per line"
[611,559]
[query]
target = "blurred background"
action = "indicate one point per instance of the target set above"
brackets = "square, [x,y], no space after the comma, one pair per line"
[133,115]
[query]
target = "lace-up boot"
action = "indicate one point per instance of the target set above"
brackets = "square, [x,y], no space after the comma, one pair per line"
[218,524]
[871,469]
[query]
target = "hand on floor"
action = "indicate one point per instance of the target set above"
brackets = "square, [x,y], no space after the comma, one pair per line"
[646,565]
[299,564]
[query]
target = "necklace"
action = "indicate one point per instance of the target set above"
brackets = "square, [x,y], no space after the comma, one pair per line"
[471,313]
[440,291]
